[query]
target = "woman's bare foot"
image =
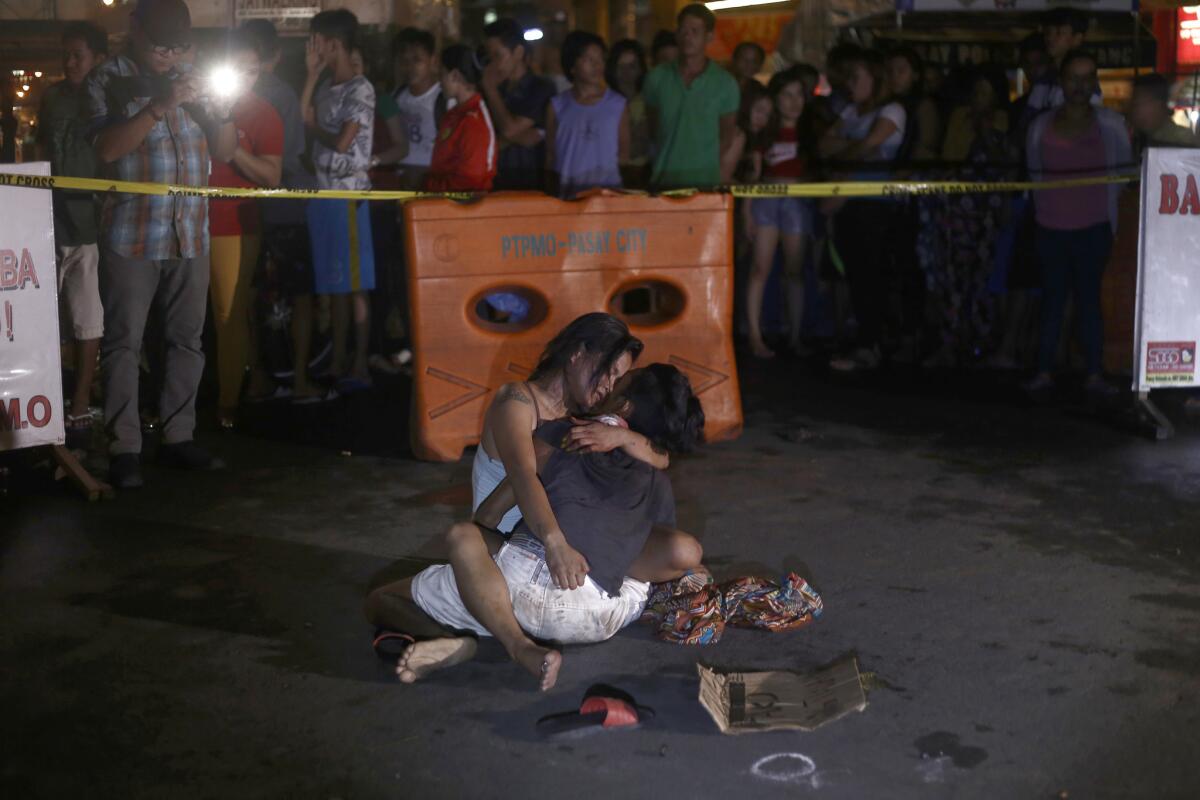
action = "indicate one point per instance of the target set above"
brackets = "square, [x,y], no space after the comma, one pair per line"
[429,656]
[541,663]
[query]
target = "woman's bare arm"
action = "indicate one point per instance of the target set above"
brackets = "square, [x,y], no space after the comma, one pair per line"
[510,419]
[492,510]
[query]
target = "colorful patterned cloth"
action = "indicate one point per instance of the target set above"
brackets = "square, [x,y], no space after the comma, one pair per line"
[693,610]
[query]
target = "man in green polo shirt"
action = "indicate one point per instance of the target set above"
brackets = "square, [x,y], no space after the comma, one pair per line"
[692,105]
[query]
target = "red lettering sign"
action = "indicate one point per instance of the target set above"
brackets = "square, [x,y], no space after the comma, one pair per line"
[1169,201]
[16,274]
[37,413]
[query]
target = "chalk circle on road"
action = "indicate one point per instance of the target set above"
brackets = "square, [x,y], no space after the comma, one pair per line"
[784,767]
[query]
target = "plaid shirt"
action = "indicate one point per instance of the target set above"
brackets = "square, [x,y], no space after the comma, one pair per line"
[174,151]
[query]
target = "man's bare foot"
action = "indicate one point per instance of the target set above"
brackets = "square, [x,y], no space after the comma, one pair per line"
[541,663]
[429,656]
[761,351]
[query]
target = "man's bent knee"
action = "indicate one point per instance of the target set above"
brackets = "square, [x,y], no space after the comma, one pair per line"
[464,534]
[686,551]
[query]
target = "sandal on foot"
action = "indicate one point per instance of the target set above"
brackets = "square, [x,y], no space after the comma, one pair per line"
[390,645]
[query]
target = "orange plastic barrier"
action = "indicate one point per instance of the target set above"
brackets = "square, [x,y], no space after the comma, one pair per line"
[663,265]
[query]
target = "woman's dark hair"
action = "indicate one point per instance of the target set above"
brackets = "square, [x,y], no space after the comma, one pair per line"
[751,94]
[597,334]
[874,63]
[662,40]
[780,81]
[915,64]
[574,46]
[664,409]
[614,55]
[997,78]
[462,58]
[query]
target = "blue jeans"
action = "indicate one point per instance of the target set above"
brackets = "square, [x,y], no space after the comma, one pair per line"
[1073,260]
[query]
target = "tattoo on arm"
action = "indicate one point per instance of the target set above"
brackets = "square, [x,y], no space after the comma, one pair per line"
[512,392]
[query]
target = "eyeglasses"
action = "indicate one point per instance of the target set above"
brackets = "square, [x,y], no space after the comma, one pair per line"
[171,50]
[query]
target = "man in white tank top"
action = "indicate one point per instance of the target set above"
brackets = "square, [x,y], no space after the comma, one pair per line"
[421,102]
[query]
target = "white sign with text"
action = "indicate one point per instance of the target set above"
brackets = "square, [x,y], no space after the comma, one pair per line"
[1168,294]
[31,400]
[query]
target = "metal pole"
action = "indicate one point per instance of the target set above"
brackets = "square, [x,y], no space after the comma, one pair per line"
[1137,44]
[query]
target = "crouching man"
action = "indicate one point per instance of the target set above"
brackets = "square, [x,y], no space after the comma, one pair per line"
[606,504]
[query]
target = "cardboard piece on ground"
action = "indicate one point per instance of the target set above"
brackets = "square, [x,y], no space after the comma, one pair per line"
[747,702]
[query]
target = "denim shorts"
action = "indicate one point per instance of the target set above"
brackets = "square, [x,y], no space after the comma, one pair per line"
[791,215]
[570,616]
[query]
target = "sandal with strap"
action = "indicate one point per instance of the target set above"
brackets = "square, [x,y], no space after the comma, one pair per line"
[390,645]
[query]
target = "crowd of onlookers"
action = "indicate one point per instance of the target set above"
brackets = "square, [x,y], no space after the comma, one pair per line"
[939,279]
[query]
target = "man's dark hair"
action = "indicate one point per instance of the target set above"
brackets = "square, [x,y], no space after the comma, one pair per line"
[664,409]
[809,71]
[1078,54]
[663,39]
[1033,43]
[574,46]
[1155,85]
[700,12]
[842,53]
[614,55]
[414,37]
[1062,15]
[464,59]
[338,24]
[241,41]
[92,35]
[507,31]
[597,334]
[264,33]
[755,46]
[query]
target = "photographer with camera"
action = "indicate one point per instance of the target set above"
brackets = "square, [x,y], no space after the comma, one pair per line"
[152,121]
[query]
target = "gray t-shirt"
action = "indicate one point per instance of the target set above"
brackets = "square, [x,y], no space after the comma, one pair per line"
[605,503]
[352,101]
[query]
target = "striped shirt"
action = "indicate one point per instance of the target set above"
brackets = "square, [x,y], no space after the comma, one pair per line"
[174,151]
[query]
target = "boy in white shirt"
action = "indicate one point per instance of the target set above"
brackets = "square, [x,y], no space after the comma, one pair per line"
[421,102]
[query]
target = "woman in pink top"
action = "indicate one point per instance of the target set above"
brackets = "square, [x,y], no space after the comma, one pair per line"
[1075,226]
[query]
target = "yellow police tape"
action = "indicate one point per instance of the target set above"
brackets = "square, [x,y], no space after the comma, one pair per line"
[831,189]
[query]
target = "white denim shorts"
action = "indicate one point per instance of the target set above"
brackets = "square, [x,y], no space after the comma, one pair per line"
[570,616]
